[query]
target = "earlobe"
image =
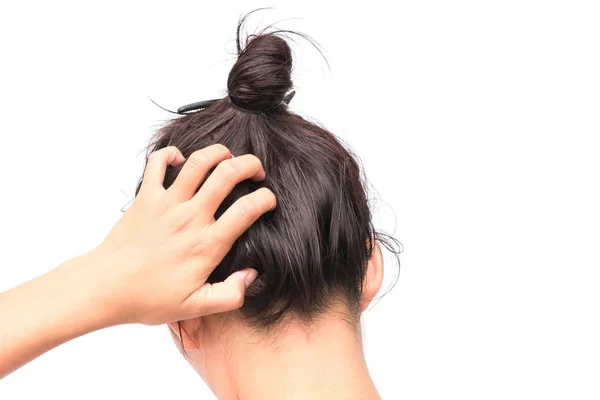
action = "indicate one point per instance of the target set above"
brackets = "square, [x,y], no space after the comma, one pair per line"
[188,329]
[373,279]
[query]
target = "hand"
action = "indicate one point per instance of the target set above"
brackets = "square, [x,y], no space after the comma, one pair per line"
[153,266]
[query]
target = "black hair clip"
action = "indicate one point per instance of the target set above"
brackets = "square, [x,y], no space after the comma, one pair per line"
[201,105]
[198,106]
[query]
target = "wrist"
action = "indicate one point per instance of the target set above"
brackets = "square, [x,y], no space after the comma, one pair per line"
[83,288]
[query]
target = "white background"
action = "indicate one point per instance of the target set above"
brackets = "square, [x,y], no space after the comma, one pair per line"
[477,123]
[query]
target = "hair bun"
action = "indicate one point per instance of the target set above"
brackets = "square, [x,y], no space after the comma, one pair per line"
[262,74]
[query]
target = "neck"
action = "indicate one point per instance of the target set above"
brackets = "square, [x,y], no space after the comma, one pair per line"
[326,362]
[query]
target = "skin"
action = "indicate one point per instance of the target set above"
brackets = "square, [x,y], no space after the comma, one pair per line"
[166,244]
[321,360]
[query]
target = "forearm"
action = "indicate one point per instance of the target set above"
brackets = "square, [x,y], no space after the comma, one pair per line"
[47,311]
[151,268]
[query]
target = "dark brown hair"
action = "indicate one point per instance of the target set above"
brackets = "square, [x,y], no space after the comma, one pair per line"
[314,247]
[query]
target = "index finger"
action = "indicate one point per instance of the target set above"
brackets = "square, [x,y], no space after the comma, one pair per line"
[154,174]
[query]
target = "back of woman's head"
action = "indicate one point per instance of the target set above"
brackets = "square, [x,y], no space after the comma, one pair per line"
[314,247]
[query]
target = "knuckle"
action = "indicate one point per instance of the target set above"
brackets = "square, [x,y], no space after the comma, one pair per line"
[152,157]
[180,223]
[248,207]
[257,203]
[201,299]
[255,160]
[269,198]
[206,242]
[252,162]
[228,172]
[198,160]
[209,246]
[220,148]
[158,155]
[238,298]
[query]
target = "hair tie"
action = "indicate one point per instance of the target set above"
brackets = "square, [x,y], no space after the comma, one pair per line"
[202,105]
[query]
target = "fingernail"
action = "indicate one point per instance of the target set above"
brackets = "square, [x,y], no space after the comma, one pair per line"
[250,277]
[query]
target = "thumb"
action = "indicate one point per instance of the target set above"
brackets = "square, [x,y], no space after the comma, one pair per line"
[222,296]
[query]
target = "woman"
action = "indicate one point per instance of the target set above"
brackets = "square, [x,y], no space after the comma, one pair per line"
[298,333]
[311,264]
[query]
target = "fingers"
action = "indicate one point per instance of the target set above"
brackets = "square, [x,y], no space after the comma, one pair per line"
[238,218]
[224,178]
[222,296]
[195,170]
[154,174]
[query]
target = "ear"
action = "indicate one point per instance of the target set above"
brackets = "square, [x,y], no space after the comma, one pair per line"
[189,332]
[373,279]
